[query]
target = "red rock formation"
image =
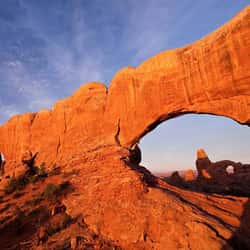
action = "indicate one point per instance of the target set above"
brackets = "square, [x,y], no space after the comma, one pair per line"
[96,130]
[175,179]
[201,154]
[213,176]
[208,76]
[189,175]
[202,164]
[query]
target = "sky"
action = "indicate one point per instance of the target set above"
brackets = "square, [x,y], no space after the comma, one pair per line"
[173,144]
[50,48]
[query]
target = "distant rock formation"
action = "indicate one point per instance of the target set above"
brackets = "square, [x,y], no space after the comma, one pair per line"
[175,179]
[223,177]
[214,176]
[201,154]
[189,175]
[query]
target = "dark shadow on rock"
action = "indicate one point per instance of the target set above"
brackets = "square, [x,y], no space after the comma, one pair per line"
[146,176]
[133,159]
[241,237]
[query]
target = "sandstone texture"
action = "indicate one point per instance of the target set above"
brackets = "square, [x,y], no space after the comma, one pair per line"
[92,137]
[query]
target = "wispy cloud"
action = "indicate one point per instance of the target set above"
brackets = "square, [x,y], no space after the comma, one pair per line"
[44,68]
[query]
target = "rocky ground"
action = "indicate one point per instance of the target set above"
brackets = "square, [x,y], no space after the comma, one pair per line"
[87,206]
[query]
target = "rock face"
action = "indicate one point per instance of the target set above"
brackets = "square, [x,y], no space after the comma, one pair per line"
[96,131]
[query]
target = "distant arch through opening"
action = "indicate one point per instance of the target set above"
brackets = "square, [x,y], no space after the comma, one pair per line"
[173,144]
[230,170]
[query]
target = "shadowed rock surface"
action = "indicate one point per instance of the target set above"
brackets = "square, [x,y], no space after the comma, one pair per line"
[92,135]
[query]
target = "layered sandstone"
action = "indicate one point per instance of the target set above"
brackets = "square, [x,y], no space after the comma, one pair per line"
[96,131]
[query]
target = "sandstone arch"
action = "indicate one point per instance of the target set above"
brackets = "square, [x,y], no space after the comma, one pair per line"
[210,76]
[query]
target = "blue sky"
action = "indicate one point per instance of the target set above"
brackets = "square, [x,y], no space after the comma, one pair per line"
[49,48]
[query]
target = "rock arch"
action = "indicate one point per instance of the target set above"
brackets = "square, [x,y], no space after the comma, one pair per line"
[210,76]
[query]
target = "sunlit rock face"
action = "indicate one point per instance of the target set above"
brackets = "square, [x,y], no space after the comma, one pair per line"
[96,129]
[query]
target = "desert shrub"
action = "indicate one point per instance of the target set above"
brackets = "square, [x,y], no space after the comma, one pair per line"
[37,173]
[16,184]
[50,192]
[41,172]
[33,178]
[55,171]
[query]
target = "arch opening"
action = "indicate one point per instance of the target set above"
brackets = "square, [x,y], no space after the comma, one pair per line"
[230,169]
[170,149]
